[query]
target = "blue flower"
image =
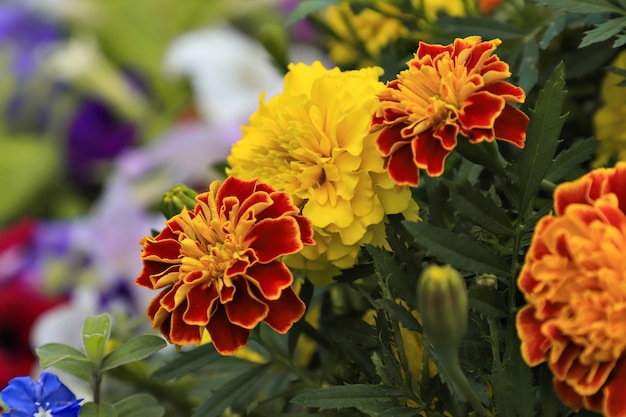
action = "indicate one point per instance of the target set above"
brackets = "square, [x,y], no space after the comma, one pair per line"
[47,397]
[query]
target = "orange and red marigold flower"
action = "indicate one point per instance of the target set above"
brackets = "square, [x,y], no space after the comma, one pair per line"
[574,282]
[446,91]
[218,266]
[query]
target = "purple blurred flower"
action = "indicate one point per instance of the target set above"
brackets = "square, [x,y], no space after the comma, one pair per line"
[25,33]
[96,135]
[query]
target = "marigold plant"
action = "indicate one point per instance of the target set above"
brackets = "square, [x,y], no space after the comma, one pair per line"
[574,284]
[446,91]
[312,141]
[218,266]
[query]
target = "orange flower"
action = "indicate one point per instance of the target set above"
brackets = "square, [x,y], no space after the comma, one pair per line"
[218,266]
[574,281]
[446,91]
[487,6]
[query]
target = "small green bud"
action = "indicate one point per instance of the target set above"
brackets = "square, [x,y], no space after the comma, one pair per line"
[442,300]
[487,280]
[178,197]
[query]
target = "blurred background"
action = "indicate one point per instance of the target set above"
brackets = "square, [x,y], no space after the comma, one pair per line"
[105,105]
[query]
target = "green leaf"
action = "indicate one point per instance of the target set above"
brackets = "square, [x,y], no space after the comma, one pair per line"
[139,405]
[231,391]
[400,314]
[403,412]
[482,210]
[96,333]
[67,359]
[570,158]
[188,362]
[604,31]
[483,26]
[487,301]
[306,8]
[554,29]
[529,68]
[52,353]
[361,396]
[135,349]
[542,139]
[459,251]
[512,381]
[97,410]
[582,6]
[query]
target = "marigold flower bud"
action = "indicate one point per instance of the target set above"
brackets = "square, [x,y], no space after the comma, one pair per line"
[442,300]
[178,197]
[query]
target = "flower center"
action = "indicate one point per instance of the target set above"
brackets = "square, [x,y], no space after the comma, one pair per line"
[42,412]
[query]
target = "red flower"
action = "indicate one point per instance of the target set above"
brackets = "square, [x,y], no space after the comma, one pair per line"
[574,282]
[446,91]
[218,266]
[21,303]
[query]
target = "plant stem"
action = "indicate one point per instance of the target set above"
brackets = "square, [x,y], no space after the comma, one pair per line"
[494,338]
[449,361]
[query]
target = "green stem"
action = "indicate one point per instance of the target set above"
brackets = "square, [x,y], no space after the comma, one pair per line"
[97,387]
[449,360]
[547,186]
[494,338]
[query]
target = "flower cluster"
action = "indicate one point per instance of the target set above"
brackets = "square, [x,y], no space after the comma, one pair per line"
[319,151]
[574,284]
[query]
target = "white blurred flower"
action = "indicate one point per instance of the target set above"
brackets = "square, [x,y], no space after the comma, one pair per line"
[227,70]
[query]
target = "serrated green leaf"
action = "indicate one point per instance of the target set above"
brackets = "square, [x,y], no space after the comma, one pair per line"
[135,349]
[620,41]
[459,251]
[570,158]
[582,6]
[554,29]
[604,31]
[308,7]
[400,314]
[97,410]
[361,396]
[138,405]
[231,391]
[96,333]
[474,205]
[402,412]
[185,363]
[542,139]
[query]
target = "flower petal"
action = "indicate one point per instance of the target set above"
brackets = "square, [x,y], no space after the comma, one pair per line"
[245,309]
[284,311]
[227,338]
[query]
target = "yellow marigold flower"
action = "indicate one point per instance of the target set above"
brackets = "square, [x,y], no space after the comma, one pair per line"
[610,119]
[574,281]
[369,29]
[312,141]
